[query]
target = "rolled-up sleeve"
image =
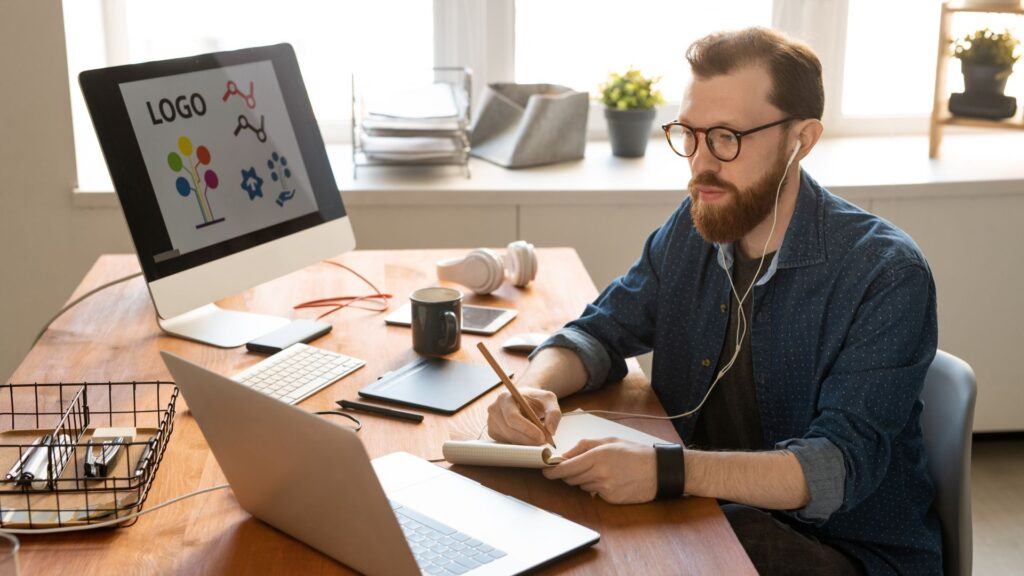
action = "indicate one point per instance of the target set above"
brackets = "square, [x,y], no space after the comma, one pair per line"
[824,472]
[870,392]
[589,350]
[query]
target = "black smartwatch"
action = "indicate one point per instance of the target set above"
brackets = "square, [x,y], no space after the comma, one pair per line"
[671,471]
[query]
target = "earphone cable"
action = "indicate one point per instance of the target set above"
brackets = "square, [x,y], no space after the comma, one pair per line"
[741,324]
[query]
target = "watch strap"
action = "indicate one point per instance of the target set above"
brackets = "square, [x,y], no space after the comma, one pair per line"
[671,467]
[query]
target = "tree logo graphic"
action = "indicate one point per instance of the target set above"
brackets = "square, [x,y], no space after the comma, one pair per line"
[191,183]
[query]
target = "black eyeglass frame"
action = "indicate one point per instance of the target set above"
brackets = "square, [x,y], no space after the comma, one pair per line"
[739,134]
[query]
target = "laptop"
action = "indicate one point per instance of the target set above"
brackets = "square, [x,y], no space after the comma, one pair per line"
[399,514]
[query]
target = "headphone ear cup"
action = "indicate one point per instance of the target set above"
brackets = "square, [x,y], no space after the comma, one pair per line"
[481,271]
[495,271]
[521,262]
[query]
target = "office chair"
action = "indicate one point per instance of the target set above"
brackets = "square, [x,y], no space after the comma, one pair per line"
[947,420]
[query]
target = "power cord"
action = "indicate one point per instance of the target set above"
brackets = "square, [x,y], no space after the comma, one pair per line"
[114,521]
[336,303]
[69,305]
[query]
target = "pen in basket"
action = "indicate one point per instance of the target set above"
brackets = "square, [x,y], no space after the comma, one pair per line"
[147,453]
[14,473]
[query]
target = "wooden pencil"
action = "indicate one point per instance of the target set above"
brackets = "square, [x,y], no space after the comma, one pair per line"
[524,406]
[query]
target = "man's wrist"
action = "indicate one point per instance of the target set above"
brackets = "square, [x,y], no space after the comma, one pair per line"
[671,471]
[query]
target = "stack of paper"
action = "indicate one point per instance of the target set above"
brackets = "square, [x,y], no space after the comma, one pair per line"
[432,110]
[422,148]
[430,102]
[423,125]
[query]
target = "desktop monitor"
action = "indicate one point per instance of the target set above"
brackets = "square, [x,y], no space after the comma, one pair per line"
[223,179]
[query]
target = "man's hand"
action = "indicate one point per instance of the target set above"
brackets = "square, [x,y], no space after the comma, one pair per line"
[618,471]
[505,422]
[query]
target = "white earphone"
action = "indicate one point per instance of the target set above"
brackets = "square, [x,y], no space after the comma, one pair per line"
[742,327]
[483,270]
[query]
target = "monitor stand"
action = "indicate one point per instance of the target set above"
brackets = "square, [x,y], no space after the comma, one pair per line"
[211,324]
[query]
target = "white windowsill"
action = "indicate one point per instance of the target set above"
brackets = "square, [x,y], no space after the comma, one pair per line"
[857,168]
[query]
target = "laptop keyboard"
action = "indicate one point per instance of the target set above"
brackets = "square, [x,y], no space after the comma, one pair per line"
[439,549]
[295,373]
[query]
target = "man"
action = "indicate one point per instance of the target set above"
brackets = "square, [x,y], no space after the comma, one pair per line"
[806,375]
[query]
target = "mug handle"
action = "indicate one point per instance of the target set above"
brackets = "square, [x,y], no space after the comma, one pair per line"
[451,327]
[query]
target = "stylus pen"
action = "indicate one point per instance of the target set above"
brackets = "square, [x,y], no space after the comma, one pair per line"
[382,411]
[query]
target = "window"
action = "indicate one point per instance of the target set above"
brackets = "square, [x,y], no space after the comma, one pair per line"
[890,56]
[331,40]
[878,55]
[570,42]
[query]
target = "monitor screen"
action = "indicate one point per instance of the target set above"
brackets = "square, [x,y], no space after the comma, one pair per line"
[211,155]
[220,152]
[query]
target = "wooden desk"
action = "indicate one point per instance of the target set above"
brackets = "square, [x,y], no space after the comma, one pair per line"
[114,336]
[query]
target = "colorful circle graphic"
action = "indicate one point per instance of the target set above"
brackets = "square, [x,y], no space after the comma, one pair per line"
[211,179]
[185,145]
[203,154]
[182,185]
[174,161]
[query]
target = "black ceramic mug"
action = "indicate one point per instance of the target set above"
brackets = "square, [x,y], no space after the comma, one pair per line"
[436,320]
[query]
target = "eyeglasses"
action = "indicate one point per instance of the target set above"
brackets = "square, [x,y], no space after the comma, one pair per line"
[723,142]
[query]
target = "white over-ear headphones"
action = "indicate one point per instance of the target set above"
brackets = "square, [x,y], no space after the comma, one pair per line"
[483,270]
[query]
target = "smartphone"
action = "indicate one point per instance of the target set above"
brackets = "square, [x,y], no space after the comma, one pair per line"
[292,333]
[475,319]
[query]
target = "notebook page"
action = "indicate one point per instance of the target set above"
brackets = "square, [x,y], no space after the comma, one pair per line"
[577,425]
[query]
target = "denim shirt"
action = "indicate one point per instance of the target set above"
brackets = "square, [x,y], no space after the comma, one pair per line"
[843,331]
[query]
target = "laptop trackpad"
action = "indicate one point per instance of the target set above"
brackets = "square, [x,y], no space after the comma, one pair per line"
[527,533]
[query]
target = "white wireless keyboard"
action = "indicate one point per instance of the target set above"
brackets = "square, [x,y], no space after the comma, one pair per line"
[296,372]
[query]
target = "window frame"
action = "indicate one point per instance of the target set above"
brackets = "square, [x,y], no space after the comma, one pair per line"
[481,35]
[820,23]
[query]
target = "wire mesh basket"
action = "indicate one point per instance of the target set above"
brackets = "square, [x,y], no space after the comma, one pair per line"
[52,425]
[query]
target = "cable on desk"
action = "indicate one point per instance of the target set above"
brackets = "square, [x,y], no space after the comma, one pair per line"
[338,302]
[113,521]
[79,299]
[358,424]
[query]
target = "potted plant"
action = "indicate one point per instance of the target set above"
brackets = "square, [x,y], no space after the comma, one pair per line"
[986,61]
[629,101]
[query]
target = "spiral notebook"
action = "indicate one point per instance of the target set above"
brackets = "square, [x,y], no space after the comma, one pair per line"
[574,426]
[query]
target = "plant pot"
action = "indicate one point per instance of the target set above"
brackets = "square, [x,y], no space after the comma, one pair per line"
[984,80]
[629,130]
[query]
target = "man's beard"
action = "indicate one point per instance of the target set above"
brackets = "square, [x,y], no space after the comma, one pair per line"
[736,214]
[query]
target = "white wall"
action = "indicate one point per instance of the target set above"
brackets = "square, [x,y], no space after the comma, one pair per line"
[46,244]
